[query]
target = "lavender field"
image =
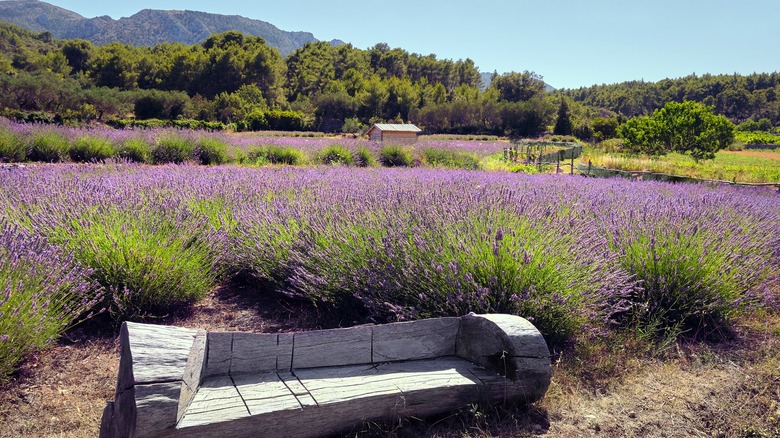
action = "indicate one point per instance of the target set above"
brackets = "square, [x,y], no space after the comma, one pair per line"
[381,244]
[54,144]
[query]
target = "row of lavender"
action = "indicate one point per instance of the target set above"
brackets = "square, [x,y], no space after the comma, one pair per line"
[47,143]
[381,244]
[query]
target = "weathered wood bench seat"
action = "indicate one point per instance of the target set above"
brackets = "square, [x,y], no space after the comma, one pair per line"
[183,382]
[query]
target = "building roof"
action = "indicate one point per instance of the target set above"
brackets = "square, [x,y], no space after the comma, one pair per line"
[402,127]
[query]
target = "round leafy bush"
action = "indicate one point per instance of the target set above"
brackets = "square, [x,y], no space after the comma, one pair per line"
[173,149]
[48,146]
[395,156]
[136,150]
[335,154]
[364,158]
[12,148]
[89,148]
[211,151]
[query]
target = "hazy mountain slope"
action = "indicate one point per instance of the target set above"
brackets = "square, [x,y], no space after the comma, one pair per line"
[146,28]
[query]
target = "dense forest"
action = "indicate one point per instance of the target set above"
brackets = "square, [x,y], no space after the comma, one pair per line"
[738,97]
[239,81]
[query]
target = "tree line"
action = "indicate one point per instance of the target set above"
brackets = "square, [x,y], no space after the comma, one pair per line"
[740,98]
[238,79]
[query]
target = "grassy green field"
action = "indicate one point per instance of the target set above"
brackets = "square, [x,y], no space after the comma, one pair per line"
[749,166]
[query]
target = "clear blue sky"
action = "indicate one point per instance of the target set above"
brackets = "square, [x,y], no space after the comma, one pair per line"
[571,43]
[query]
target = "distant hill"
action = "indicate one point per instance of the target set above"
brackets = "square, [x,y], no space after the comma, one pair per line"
[146,28]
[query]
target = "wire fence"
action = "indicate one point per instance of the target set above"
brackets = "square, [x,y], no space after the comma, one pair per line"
[542,153]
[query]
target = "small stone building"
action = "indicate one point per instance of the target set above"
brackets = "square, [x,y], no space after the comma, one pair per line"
[393,132]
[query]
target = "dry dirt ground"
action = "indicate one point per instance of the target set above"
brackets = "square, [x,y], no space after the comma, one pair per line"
[730,389]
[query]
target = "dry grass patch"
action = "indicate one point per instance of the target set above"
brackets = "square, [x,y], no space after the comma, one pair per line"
[729,389]
[606,386]
[769,155]
[61,391]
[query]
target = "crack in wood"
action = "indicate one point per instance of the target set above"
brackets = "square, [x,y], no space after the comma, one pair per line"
[291,391]
[477,377]
[249,412]
[152,382]
[292,352]
[308,392]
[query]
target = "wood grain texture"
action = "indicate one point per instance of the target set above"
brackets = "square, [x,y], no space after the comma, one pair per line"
[349,395]
[352,383]
[157,406]
[219,352]
[423,339]
[217,401]
[194,372]
[265,393]
[328,348]
[151,368]
[297,389]
[510,346]
[258,353]
[157,353]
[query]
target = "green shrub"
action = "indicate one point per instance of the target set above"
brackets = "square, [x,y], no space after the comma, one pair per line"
[286,120]
[173,149]
[364,158]
[211,151]
[157,123]
[89,148]
[239,156]
[279,155]
[276,155]
[758,137]
[254,121]
[257,155]
[12,148]
[450,158]
[353,126]
[136,150]
[395,156]
[335,154]
[48,146]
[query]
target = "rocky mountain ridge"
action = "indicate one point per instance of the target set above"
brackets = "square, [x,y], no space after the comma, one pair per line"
[145,28]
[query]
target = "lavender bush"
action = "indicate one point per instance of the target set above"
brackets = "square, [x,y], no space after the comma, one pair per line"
[134,228]
[362,157]
[387,244]
[335,154]
[47,146]
[43,291]
[89,148]
[450,158]
[12,149]
[699,255]
[173,149]
[211,151]
[136,150]
[20,142]
[395,156]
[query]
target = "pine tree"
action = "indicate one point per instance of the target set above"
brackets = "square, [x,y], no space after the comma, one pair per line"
[563,125]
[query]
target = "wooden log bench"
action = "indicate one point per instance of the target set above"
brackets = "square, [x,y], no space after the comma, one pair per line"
[184,382]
